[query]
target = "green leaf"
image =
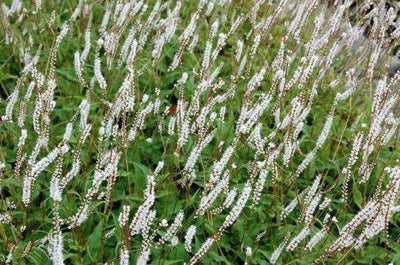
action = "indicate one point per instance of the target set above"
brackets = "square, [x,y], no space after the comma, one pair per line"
[357,195]
[95,241]
[7,76]
[169,262]
[38,256]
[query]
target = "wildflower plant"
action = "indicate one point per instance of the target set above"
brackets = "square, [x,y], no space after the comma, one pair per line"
[211,131]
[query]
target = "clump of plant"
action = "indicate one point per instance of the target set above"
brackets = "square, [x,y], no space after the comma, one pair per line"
[163,132]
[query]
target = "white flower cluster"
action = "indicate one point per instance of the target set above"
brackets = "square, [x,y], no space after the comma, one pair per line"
[190,233]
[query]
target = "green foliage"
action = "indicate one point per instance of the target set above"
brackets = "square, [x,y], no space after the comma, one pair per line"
[27,236]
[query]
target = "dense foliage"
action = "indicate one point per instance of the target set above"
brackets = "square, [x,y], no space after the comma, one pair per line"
[211,131]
